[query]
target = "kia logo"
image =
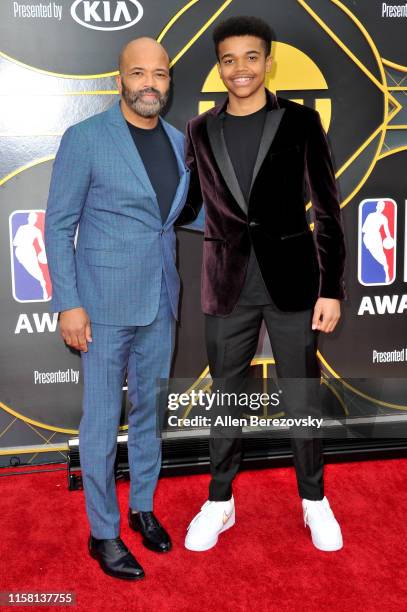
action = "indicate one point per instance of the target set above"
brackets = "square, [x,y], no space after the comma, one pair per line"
[106,15]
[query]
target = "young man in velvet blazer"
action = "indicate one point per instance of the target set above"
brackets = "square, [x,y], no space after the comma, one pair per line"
[255,161]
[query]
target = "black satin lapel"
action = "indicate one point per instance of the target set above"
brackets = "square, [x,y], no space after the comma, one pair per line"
[214,125]
[271,125]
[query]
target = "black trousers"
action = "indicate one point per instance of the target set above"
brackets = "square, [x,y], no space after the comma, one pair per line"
[231,344]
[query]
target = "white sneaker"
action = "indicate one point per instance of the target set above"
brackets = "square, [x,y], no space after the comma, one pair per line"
[325,531]
[204,529]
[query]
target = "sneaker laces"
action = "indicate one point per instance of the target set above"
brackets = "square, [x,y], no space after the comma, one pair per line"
[322,508]
[205,510]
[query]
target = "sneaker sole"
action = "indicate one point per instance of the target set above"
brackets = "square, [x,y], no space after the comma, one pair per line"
[331,548]
[327,548]
[212,543]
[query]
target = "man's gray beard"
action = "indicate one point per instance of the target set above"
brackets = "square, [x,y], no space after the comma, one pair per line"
[144,109]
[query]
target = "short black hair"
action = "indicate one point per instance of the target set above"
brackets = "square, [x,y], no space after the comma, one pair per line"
[243,26]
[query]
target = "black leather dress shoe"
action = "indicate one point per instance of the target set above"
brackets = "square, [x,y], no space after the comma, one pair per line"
[154,535]
[115,559]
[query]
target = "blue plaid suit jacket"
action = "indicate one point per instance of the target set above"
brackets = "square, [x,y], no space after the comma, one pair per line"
[100,187]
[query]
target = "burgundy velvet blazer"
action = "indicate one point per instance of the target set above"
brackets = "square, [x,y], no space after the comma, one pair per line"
[293,166]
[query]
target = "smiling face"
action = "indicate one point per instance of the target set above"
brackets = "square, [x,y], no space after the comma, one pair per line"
[243,65]
[144,78]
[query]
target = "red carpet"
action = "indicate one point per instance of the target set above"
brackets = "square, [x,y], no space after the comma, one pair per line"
[265,563]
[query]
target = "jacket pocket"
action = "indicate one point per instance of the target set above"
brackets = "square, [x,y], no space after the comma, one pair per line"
[209,239]
[303,233]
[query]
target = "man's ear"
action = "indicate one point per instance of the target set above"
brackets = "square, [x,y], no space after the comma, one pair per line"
[119,83]
[269,62]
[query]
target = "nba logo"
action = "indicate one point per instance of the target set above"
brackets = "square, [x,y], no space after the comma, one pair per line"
[29,270]
[377,241]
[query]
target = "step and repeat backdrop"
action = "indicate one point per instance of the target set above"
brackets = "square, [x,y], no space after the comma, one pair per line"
[347,59]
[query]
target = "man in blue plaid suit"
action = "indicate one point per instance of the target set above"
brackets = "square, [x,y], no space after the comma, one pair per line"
[120,176]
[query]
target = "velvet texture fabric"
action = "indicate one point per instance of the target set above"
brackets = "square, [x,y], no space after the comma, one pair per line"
[293,166]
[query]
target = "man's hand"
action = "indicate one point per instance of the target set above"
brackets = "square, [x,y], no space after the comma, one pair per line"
[327,312]
[75,328]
